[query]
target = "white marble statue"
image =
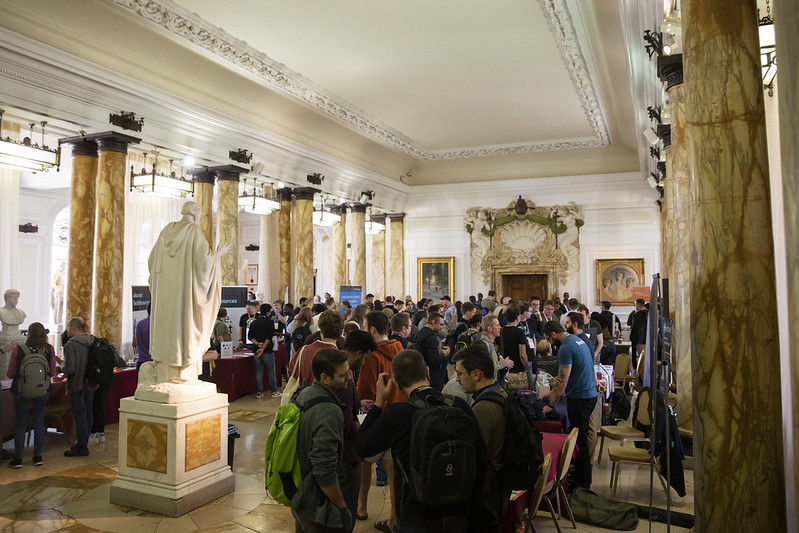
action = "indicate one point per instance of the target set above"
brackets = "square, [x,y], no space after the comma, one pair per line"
[568,241]
[57,294]
[185,286]
[11,317]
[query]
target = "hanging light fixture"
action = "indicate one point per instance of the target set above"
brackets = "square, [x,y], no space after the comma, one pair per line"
[255,203]
[26,155]
[323,217]
[768,49]
[154,182]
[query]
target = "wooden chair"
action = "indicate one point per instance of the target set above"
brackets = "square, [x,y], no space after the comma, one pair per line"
[639,456]
[554,489]
[622,432]
[621,371]
[537,494]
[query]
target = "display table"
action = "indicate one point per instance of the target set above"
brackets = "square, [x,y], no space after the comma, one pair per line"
[235,376]
[125,381]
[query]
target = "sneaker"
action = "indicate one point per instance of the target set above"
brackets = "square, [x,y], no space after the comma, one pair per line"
[101,437]
[277,394]
[15,463]
[259,395]
[93,439]
[37,460]
[77,451]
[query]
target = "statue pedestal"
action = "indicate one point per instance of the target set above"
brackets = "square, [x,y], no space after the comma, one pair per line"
[172,457]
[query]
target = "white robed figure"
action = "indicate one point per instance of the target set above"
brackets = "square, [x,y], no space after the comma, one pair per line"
[185,289]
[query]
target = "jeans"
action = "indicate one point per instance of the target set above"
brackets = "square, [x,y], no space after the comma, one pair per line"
[22,406]
[580,410]
[97,424]
[81,402]
[268,359]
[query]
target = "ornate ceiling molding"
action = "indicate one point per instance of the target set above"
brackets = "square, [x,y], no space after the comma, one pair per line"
[192,27]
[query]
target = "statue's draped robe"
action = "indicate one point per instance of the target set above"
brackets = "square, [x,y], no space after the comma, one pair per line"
[185,288]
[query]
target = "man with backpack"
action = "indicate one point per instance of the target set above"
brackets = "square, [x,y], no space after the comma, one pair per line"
[79,391]
[319,505]
[435,444]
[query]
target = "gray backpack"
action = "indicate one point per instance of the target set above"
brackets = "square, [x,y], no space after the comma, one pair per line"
[33,373]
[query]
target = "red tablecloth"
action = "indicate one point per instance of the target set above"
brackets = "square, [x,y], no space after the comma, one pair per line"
[235,376]
[551,443]
[125,381]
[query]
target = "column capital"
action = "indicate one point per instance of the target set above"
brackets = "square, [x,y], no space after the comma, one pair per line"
[358,208]
[396,217]
[228,172]
[203,175]
[380,218]
[664,132]
[284,194]
[88,148]
[107,141]
[305,193]
[670,70]
[339,209]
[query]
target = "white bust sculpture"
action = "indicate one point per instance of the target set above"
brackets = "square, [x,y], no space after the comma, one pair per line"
[11,317]
[185,287]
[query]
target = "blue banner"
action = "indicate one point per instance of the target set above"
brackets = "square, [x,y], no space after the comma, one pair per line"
[354,295]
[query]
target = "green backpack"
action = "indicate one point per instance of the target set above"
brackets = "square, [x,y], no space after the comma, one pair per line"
[465,340]
[282,466]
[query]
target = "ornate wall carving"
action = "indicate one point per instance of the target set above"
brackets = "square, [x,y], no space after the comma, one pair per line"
[541,239]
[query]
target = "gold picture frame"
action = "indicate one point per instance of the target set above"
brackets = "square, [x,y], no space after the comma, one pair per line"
[615,279]
[435,277]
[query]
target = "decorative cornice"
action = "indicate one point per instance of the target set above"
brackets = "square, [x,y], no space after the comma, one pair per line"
[180,21]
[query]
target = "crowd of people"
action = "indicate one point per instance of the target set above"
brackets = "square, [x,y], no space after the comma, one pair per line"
[380,358]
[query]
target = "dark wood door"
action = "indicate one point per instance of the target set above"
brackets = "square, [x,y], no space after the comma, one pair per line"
[523,286]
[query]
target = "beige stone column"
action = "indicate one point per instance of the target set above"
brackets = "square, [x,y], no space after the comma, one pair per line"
[396,254]
[228,220]
[284,230]
[739,478]
[378,259]
[109,249]
[303,209]
[358,246]
[670,70]
[82,210]
[340,250]
[788,95]
[204,196]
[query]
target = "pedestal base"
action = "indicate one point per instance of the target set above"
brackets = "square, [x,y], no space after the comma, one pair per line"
[172,457]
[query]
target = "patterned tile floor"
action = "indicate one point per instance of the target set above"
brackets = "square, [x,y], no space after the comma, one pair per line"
[71,494]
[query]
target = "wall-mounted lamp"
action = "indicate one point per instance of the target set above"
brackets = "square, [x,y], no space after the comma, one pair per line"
[26,155]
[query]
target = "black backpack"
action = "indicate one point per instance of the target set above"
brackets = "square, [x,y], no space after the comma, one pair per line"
[444,446]
[103,358]
[298,337]
[619,408]
[522,455]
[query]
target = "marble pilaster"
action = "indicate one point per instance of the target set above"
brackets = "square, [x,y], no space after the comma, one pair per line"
[340,250]
[82,211]
[739,477]
[204,196]
[378,259]
[284,231]
[358,246]
[396,255]
[303,209]
[228,221]
[788,96]
[109,244]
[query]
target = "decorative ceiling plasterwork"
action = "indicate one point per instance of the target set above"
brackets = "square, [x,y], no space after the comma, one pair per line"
[545,238]
[190,26]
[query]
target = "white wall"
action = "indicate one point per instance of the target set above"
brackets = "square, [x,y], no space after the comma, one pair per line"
[621,221]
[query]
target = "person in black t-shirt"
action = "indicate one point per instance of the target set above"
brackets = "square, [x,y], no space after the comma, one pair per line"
[245,321]
[261,332]
[513,342]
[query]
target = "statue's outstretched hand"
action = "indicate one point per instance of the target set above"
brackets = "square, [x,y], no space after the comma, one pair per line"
[222,249]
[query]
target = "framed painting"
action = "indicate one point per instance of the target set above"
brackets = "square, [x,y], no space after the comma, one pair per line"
[252,275]
[616,278]
[434,277]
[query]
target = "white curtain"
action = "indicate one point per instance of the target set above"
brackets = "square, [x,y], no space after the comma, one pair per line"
[146,215]
[9,229]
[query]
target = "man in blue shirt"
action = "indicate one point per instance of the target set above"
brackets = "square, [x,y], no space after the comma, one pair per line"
[576,377]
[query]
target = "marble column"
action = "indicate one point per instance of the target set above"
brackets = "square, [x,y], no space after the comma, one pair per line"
[109,241]
[340,250]
[228,220]
[284,231]
[670,69]
[378,259]
[303,209]
[204,196]
[358,243]
[739,477]
[788,95]
[396,256]
[82,210]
